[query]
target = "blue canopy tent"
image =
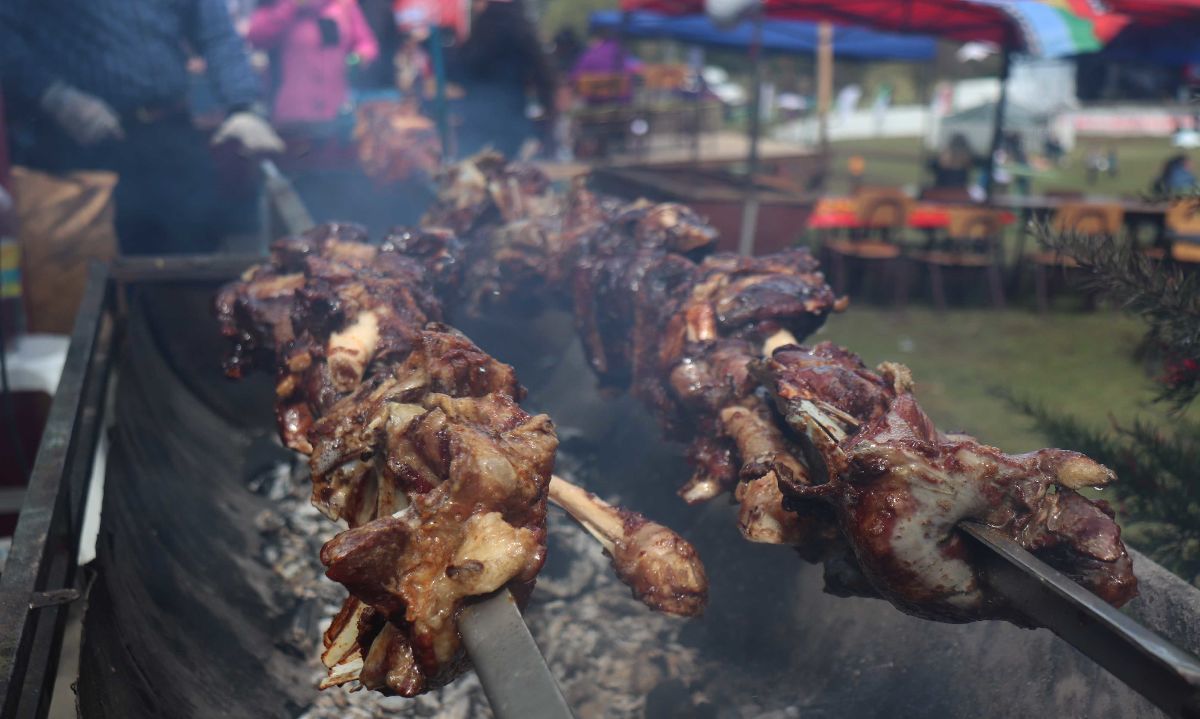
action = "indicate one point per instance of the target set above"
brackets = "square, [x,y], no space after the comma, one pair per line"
[787,36]
[757,34]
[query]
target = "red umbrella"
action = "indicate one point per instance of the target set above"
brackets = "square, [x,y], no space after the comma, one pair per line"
[958,19]
[1158,12]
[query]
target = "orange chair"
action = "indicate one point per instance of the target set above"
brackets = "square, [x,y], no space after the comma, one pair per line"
[972,242]
[876,242]
[665,77]
[1081,218]
[1183,231]
[599,87]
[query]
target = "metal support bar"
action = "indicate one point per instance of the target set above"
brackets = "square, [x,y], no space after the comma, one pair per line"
[43,551]
[749,227]
[283,196]
[1148,663]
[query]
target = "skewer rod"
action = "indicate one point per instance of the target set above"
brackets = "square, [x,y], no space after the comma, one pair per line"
[1148,663]
[514,675]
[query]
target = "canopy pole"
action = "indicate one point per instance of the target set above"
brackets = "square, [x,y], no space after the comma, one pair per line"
[989,178]
[824,82]
[750,206]
[755,119]
[441,117]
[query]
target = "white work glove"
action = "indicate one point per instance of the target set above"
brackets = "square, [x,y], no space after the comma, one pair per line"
[86,118]
[251,131]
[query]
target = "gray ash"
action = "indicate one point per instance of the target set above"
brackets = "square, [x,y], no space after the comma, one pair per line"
[611,656]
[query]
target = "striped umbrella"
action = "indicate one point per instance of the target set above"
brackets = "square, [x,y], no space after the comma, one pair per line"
[1045,28]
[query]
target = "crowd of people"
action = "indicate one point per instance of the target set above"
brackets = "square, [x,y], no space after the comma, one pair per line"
[121,86]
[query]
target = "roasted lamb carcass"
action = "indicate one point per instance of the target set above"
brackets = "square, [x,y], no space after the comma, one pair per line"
[416,440]
[900,487]
[685,333]
[477,525]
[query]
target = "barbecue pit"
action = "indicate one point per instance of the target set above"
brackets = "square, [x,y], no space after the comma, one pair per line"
[188,615]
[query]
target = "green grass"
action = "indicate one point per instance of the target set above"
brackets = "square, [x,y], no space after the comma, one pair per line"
[892,161]
[1077,363]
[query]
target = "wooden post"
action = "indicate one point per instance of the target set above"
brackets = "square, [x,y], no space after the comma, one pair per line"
[750,205]
[824,82]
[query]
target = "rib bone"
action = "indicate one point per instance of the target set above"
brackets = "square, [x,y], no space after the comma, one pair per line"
[661,568]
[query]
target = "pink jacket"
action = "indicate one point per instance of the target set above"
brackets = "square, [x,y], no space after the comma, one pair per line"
[313,83]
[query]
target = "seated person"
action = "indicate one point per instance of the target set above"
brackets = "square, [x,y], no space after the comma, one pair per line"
[606,57]
[953,166]
[1176,176]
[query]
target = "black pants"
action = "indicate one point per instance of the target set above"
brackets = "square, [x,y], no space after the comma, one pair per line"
[166,197]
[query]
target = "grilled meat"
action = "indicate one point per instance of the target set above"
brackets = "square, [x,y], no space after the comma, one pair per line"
[416,440]
[823,454]
[900,487]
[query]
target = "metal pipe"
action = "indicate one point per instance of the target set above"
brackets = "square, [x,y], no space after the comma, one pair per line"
[441,116]
[989,177]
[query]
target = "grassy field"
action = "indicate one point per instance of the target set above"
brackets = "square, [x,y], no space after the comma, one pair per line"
[1077,363]
[899,162]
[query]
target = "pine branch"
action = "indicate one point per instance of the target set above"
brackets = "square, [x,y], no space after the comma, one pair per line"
[1158,497]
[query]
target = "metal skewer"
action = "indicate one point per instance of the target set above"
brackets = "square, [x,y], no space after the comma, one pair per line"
[511,669]
[1148,663]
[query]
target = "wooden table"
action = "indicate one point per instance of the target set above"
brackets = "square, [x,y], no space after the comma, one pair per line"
[1137,214]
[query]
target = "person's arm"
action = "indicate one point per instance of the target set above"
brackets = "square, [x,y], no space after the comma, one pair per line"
[268,23]
[362,38]
[225,55]
[85,118]
[236,84]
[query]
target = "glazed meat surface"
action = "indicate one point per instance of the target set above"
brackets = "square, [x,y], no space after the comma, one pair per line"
[900,487]
[416,440]
[822,453]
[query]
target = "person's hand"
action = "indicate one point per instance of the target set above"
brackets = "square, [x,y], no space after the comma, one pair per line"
[251,131]
[85,118]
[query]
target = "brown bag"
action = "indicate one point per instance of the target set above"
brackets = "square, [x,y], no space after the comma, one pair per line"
[63,223]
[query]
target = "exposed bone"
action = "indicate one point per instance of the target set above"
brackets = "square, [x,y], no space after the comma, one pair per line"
[761,516]
[777,340]
[343,674]
[350,350]
[341,639]
[661,568]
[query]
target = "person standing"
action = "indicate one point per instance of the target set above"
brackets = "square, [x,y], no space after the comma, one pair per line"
[502,57]
[103,84]
[316,41]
